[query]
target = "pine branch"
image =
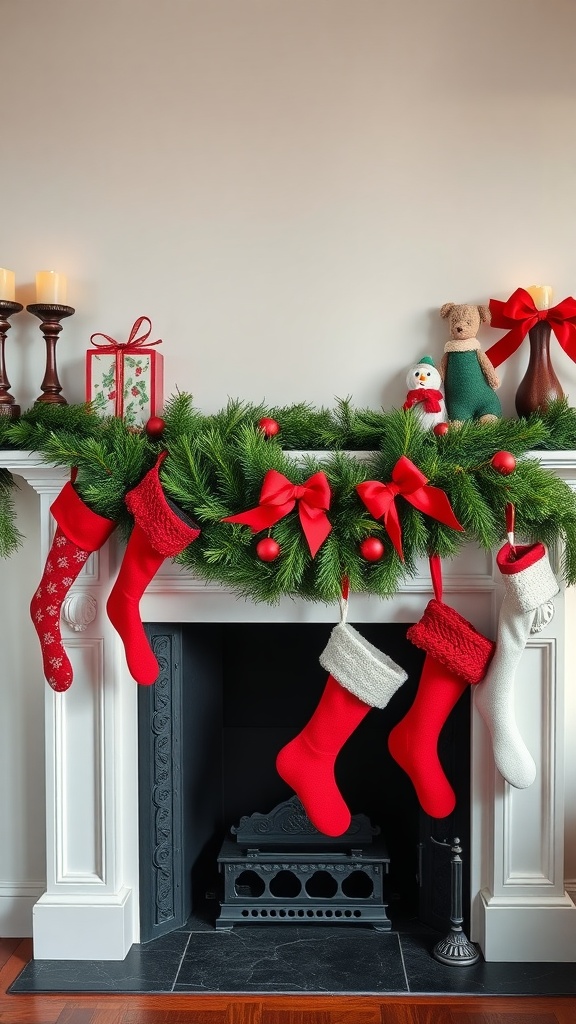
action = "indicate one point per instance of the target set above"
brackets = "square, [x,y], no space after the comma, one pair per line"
[10,537]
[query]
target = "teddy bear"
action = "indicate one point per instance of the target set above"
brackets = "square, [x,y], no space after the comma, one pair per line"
[469,377]
[425,395]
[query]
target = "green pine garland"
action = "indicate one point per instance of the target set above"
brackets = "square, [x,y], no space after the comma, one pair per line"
[217,463]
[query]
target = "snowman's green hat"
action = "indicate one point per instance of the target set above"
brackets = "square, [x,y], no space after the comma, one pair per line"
[426,359]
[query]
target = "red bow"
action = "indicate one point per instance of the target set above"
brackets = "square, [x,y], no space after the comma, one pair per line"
[119,347]
[278,497]
[520,314]
[431,398]
[408,481]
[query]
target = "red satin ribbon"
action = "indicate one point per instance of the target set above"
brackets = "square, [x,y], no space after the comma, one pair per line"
[519,314]
[411,484]
[117,348]
[279,496]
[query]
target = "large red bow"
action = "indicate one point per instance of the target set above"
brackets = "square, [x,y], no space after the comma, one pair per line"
[520,314]
[408,481]
[278,497]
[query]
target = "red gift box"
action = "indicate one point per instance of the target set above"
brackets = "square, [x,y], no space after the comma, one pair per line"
[125,378]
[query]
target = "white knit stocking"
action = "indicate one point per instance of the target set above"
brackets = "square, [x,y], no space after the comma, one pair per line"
[529,586]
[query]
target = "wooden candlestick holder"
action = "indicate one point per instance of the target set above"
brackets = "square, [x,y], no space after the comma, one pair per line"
[50,316]
[8,405]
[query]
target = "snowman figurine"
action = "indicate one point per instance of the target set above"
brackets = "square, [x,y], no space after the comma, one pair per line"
[425,396]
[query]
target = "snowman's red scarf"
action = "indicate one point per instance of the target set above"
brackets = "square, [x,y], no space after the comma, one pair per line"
[430,396]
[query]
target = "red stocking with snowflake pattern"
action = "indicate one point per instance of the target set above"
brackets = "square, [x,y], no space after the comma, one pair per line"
[80,531]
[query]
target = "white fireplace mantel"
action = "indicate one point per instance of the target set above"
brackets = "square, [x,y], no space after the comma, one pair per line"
[89,911]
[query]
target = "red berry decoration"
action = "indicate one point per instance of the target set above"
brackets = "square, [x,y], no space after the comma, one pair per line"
[503,462]
[372,549]
[440,429]
[269,426]
[155,426]
[267,549]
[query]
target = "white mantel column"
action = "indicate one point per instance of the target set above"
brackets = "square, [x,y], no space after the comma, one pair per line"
[521,910]
[89,910]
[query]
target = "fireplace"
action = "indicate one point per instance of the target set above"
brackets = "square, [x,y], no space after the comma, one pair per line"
[229,696]
[519,909]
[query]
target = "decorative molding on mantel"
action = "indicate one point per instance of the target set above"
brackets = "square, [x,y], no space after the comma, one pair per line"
[39,474]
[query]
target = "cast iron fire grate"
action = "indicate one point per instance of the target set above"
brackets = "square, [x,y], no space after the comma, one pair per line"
[279,868]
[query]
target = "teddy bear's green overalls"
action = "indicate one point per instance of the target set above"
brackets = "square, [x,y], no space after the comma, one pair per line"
[468,394]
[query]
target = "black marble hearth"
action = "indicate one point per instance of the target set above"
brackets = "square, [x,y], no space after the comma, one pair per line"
[293,960]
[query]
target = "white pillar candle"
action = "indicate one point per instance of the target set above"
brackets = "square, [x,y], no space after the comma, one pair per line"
[542,295]
[7,285]
[50,288]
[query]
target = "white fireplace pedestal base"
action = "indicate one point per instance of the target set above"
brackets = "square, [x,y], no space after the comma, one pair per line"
[542,933]
[79,928]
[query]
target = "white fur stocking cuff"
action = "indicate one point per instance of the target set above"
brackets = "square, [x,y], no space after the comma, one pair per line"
[360,667]
[528,578]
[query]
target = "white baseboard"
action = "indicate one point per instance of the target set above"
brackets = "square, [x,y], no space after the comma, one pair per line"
[16,907]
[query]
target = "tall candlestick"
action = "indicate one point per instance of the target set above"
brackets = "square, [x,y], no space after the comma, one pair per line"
[7,285]
[50,288]
[51,313]
[8,406]
[542,295]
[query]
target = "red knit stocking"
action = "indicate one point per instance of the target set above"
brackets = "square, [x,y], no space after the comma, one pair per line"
[159,532]
[307,762]
[80,532]
[457,655]
[413,743]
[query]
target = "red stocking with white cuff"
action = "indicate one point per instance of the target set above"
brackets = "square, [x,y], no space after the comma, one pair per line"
[456,656]
[360,677]
[80,531]
[160,531]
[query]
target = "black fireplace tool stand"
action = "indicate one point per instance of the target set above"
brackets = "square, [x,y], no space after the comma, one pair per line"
[455,950]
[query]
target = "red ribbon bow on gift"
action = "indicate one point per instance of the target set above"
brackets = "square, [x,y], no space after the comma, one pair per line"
[278,497]
[411,484]
[135,340]
[520,314]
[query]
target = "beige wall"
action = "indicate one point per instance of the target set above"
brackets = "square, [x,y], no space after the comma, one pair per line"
[290,189]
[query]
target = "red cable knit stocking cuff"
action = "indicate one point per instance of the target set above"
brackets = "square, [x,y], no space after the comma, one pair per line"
[453,641]
[80,524]
[167,533]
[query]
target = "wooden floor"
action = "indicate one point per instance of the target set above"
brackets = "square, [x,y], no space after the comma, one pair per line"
[193,1009]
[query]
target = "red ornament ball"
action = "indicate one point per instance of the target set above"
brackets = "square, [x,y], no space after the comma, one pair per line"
[440,429]
[269,426]
[372,549]
[503,462]
[155,426]
[267,549]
